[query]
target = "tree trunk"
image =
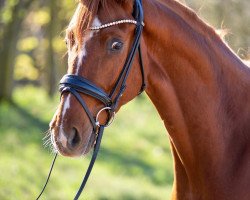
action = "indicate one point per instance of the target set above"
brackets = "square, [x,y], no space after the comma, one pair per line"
[8,49]
[51,68]
[8,52]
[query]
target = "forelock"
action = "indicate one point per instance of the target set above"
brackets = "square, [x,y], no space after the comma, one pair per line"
[86,12]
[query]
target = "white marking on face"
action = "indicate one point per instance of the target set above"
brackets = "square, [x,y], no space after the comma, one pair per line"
[83,52]
[66,105]
[62,137]
[96,22]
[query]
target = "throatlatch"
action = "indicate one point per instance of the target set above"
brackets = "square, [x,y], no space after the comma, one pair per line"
[77,85]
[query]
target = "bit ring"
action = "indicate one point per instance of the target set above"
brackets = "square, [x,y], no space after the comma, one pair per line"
[111,117]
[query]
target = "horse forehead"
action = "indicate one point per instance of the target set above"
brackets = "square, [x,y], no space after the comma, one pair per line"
[83,52]
[87,38]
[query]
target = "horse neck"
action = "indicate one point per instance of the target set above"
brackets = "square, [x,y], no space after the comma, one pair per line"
[198,85]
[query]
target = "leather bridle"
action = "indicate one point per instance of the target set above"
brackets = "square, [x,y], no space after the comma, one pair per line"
[77,85]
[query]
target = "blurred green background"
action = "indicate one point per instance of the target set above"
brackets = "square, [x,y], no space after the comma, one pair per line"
[135,159]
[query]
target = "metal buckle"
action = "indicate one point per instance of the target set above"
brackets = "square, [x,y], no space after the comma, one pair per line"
[111,117]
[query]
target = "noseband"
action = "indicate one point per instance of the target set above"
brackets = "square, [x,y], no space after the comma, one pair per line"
[77,85]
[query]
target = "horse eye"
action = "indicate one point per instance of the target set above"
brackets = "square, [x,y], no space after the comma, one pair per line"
[116,46]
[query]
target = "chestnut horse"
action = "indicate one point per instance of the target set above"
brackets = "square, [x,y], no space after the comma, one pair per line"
[200,88]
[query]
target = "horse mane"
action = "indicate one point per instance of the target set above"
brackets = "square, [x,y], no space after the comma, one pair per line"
[189,15]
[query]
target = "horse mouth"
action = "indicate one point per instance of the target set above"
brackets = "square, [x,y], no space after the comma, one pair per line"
[91,143]
[83,149]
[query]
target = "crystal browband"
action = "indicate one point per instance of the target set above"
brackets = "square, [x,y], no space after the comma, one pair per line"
[124,21]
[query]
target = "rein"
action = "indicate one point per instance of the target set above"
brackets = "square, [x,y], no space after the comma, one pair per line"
[77,85]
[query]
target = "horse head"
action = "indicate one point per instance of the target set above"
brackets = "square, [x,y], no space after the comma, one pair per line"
[99,38]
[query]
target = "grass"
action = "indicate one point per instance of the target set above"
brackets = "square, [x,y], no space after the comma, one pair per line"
[134,161]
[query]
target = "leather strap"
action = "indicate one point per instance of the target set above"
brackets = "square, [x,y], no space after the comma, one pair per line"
[143,86]
[92,162]
[48,177]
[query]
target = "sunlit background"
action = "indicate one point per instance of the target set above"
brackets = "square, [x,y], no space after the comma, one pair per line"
[135,159]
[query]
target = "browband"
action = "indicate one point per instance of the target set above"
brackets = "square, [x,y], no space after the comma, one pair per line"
[123,21]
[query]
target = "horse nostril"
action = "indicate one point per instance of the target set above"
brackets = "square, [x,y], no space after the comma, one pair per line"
[74,138]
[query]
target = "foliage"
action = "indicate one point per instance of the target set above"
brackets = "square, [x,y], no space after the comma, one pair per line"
[232,16]
[134,160]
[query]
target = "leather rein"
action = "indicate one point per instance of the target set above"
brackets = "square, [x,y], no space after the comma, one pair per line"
[77,85]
